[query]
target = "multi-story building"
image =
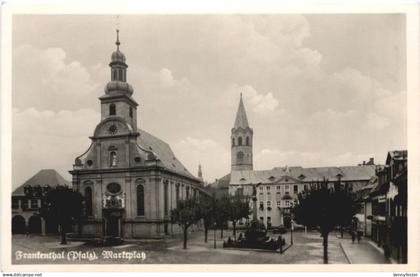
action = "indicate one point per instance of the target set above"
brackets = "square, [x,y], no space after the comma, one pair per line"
[389,207]
[131,180]
[27,202]
[277,188]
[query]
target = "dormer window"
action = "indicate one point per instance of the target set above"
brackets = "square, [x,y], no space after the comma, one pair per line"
[272,178]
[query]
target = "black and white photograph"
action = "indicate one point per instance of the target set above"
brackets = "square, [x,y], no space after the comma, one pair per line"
[210,138]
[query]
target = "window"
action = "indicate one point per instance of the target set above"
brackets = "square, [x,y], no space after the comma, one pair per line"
[268,188]
[240,157]
[177,194]
[34,203]
[131,112]
[278,203]
[305,187]
[112,109]
[188,192]
[25,203]
[261,220]
[140,200]
[165,199]
[261,204]
[247,141]
[277,187]
[261,188]
[113,158]
[261,194]
[295,188]
[88,201]
[233,141]
[287,203]
[15,203]
[240,141]
[269,221]
[268,204]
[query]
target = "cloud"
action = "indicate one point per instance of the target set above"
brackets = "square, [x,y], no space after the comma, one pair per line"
[44,77]
[257,102]
[49,139]
[193,151]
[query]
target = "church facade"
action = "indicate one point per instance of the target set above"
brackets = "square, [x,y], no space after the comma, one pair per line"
[130,179]
[277,188]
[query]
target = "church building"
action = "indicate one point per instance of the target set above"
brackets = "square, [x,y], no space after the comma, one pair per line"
[277,188]
[131,180]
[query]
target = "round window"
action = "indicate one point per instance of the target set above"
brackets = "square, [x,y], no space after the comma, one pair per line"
[89,162]
[137,159]
[113,188]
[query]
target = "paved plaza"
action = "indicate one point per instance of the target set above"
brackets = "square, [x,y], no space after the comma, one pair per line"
[307,249]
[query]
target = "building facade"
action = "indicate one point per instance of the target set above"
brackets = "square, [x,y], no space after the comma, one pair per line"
[27,200]
[389,207]
[278,188]
[130,179]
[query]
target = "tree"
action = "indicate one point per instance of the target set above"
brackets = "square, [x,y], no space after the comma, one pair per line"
[237,208]
[221,212]
[186,214]
[65,206]
[325,209]
[207,213]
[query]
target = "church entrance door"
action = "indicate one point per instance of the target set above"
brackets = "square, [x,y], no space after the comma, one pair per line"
[113,226]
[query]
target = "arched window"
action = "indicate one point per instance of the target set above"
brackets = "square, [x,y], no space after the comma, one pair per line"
[140,200]
[188,192]
[240,157]
[233,141]
[177,195]
[88,199]
[247,141]
[113,158]
[112,109]
[240,141]
[131,112]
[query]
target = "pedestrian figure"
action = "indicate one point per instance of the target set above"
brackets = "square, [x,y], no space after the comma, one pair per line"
[359,236]
[353,236]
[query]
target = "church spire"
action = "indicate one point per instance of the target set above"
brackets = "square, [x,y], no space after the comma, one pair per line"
[200,172]
[118,40]
[241,118]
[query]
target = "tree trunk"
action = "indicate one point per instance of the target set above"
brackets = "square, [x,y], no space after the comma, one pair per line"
[325,244]
[63,234]
[205,233]
[234,229]
[185,237]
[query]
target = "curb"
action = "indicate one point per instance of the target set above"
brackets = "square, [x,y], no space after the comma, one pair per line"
[345,254]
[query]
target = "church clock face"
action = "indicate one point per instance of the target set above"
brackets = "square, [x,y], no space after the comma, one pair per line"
[112,129]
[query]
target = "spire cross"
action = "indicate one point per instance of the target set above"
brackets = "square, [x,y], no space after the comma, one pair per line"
[118,40]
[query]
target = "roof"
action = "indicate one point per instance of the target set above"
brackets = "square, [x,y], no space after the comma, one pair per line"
[43,177]
[396,155]
[346,173]
[163,152]
[221,183]
[241,120]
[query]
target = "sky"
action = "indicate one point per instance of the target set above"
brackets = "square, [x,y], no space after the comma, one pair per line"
[319,90]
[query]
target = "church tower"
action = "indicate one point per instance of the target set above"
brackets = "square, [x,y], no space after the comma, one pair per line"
[117,101]
[241,140]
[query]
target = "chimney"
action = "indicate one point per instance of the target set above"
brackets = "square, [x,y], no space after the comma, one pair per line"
[364,163]
[371,161]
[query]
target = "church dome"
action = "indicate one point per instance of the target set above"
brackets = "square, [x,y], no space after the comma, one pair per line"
[118,86]
[118,56]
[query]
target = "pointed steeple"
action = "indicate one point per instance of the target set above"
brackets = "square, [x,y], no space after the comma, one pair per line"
[241,119]
[200,172]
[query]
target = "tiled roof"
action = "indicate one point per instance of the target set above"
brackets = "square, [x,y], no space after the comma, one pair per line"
[42,178]
[163,152]
[348,173]
[241,119]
